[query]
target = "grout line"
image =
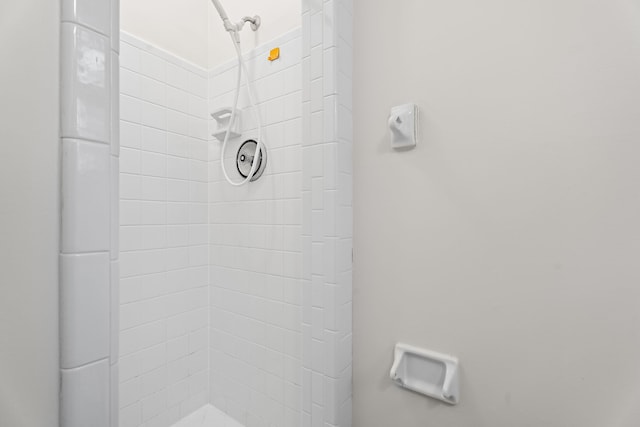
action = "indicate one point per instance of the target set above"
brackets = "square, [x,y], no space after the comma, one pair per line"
[93,362]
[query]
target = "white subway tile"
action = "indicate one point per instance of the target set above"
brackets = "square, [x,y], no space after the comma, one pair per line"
[177,235]
[316,97]
[114,395]
[293,105]
[198,128]
[130,109]
[153,381]
[198,107]
[131,416]
[153,115]
[330,119]
[153,91]
[85,84]
[129,56]
[177,190]
[198,85]
[178,99]
[177,168]
[129,392]
[84,309]
[130,82]
[345,23]
[130,161]
[177,393]
[329,72]
[178,77]
[317,127]
[114,308]
[316,28]
[130,134]
[115,25]
[114,214]
[153,405]
[153,212]
[130,212]
[153,140]
[95,14]
[153,164]
[329,22]
[115,105]
[316,65]
[177,145]
[130,186]
[153,188]
[84,395]
[198,150]
[152,66]
[85,196]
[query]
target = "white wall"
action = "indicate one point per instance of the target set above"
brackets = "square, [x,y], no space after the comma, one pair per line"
[29,213]
[163,237]
[278,17]
[179,27]
[510,236]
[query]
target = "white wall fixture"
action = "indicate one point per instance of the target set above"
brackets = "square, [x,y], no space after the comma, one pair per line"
[403,123]
[427,372]
[222,117]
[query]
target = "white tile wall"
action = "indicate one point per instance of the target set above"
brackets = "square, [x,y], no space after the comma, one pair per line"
[256,251]
[164,268]
[253,282]
[88,244]
[327,214]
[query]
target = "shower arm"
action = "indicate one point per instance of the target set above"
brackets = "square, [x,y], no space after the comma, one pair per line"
[232,28]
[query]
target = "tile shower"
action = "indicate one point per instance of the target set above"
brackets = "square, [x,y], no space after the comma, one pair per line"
[236,297]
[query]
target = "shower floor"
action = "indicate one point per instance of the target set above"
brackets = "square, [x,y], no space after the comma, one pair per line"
[208,416]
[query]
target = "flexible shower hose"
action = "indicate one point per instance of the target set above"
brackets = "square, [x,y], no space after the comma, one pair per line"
[260,147]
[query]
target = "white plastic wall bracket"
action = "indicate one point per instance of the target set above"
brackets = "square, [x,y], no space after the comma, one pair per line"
[403,123]
[223,119]
[426,372]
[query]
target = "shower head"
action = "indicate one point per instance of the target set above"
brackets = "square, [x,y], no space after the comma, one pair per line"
[259,160]
[235,28]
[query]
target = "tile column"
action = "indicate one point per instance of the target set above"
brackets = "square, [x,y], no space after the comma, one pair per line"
[89,213]
[327,212]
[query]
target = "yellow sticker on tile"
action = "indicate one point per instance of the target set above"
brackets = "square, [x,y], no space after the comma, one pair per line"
[274,54]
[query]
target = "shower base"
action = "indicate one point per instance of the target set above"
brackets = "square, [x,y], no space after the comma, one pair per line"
[208,416]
